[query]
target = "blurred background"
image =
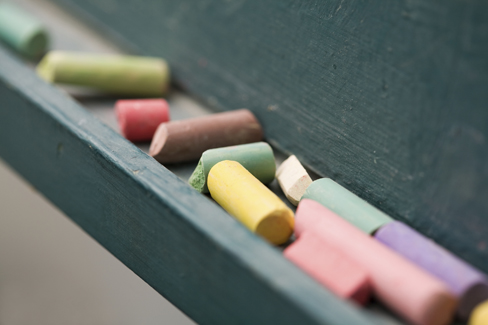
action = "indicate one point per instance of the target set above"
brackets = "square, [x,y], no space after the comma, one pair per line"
[51,272]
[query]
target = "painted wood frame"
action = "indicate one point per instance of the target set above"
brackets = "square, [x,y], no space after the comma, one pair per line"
[177,240]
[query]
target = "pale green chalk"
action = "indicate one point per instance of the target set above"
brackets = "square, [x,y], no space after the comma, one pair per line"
[115,74]
[257,158]
[347,205]
[21,31]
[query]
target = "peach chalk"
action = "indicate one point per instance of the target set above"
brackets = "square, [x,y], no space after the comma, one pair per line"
[186,140]
[330,267]
[405,288]
[139,118]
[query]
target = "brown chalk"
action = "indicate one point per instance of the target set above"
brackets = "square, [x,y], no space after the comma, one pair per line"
[186,140]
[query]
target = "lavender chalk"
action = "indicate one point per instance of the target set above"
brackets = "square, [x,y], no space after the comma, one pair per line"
[466,282]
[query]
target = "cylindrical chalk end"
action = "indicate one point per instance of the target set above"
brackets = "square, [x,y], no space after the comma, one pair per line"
[293,179]
[138,119]
[22,31]
[159,139]
[479,315]
[249,201]
[276,226]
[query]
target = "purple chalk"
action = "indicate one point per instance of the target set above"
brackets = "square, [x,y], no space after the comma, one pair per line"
[468,284]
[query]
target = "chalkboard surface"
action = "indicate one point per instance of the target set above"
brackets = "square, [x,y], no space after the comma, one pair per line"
[388,98]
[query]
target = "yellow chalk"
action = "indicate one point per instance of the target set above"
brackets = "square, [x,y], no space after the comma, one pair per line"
[479,315]
[249,201]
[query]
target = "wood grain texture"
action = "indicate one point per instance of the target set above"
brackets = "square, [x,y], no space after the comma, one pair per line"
[388,98]
[178,241]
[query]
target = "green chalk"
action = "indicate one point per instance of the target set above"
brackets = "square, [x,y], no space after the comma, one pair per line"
[257,158]
[116,74]
[22,31]
[347,205]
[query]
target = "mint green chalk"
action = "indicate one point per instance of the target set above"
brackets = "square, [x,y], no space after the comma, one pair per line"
[347,205]
[257,158]
[115,74]
[21,31]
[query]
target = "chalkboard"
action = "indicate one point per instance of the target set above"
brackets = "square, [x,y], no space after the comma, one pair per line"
[388,98]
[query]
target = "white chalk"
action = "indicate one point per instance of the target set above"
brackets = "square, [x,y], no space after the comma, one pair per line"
[293,179]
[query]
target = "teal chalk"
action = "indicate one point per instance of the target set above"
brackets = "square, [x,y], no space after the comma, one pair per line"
[21,31]
[257,158]
[347,205]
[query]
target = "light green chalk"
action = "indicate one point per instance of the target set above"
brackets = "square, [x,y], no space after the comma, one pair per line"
[116,74]
[347,205]
[21,31]
[257,158]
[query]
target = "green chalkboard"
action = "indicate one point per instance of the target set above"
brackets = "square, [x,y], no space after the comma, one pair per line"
[387,97]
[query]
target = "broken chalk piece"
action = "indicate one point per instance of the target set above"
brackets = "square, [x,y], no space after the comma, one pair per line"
[21,31]
[330,267]
[479,315]
[257,158]
[139,118]
[293,179]
[469,285]
[401,285]
[116,74]
[347,205]
[250,201]
[186,140]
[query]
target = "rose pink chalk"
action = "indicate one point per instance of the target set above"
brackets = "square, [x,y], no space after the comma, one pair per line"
[139,118]
[330,267]
[405,288]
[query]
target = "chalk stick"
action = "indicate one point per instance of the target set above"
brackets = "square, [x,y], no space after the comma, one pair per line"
[257,158]
[250,201]
[115,74]
[479,315]
[21,31]
[468,284]
[399,284]
[347,205]
[186,140]
[293,179]
[330,267]
[139,118]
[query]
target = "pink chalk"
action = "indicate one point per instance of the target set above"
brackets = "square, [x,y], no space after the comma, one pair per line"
[330,267]
[139,118]
[405,288]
